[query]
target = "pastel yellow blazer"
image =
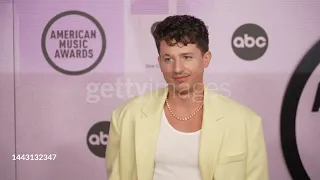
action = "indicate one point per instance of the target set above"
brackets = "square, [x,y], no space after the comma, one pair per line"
[232,143]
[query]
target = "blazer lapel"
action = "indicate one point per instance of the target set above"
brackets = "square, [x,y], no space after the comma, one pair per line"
[146,134]
[212,134]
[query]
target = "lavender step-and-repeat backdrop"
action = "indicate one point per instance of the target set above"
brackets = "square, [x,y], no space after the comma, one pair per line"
[65,65]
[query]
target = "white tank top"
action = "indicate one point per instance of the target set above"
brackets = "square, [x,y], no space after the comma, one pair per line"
[177,154]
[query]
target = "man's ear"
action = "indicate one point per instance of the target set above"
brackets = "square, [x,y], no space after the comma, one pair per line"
[207,59]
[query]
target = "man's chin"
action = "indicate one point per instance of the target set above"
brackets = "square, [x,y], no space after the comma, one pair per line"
[182,88]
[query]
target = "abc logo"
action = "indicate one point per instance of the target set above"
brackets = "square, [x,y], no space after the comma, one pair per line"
[249,42]
[97,138]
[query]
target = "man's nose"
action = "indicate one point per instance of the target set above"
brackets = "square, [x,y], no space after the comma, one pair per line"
[178,66]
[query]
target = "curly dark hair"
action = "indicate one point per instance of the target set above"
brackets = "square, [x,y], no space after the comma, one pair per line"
[185,29]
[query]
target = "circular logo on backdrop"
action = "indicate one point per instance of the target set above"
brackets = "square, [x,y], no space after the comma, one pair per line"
[73,42]
[250,42]
[289,110]
[97,138]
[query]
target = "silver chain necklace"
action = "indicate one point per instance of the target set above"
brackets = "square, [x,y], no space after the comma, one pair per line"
[182,119]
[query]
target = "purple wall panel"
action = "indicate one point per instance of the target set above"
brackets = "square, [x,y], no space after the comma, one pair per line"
[7,137]
[48,122]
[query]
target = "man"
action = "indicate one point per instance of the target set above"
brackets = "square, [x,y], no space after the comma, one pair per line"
[185,131]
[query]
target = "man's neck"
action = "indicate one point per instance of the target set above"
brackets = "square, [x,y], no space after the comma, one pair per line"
[190,99]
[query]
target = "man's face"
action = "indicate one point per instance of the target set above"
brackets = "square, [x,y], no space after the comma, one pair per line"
[182,66]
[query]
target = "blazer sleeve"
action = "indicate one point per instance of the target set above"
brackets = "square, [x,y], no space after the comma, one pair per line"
[257,163]
[113,149]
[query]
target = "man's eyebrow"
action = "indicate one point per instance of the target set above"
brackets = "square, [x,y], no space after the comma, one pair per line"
[166,55]
[186,53]
[182,54]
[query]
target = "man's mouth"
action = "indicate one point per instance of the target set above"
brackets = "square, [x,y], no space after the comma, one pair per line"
[180,77]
